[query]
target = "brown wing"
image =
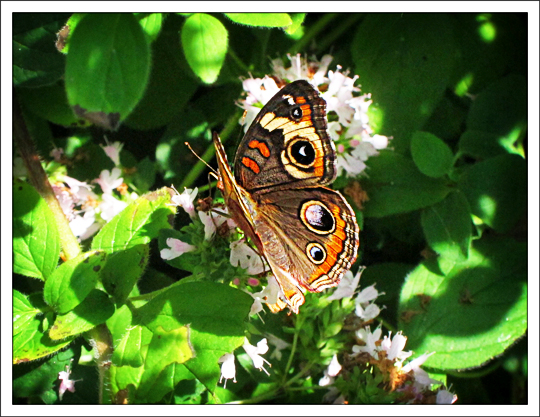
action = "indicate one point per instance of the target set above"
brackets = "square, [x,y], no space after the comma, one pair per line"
[287,145]
[310,234]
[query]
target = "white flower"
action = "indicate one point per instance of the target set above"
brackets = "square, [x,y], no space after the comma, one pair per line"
[81,189]
[83,226]
[259,91]
[346,286]
[228,369]
[329,373]
[369,339]
[109,180]
[445,397]
[244,256]
[66,384]
[65,199]
[268,295]
[254,353]
[185,200]
[56,153]
[177,248]
[211,220]
[421,377]
[111,206]
[368,313]
[364,309]
[279,344]
[394,348]
[113,151]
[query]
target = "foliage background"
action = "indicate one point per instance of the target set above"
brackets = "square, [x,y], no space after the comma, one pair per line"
[461,78]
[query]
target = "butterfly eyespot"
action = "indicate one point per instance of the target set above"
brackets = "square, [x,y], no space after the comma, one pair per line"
[296,113]
[316,253]
[317,218]
[302,153]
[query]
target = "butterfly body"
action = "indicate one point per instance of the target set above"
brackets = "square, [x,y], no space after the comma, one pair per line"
[306,231]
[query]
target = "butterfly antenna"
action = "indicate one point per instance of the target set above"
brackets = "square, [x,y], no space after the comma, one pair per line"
[200,159]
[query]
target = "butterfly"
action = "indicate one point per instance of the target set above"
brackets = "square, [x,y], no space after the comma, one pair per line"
[278,196]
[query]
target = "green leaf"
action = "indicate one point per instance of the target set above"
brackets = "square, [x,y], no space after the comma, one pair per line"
[213,314]
[501,108]
[431,155]
[31,343]
[269,20]
[107,68]
[72,281]
[448,227]
[36,62]
[151,24]
[396,186]
[473,313]
[297,20]
[405,61]
[23,312]
[95,309]
[497,190]
[138,223]
[205,44]
[123,270]
[36,243]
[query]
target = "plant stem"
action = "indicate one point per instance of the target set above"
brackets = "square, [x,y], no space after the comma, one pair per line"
[289,362]
[209,153]
[101,341]
[344,25]
[40,181]
[312,32]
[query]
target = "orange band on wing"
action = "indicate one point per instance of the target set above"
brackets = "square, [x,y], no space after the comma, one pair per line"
[251,164]
[261,146]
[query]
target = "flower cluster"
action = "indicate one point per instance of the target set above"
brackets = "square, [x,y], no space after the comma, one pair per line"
[84,208]
[346,107]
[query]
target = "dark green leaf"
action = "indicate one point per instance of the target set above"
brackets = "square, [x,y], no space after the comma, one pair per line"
[396,186]
[501,108]
[431,155]
[36,61]
[50,103]
[497,190]
[169,88]
[405,61]
[270,20]
[36,243]
[471,314]
[482,145]
[448,226]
